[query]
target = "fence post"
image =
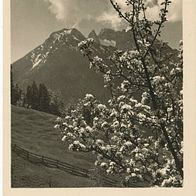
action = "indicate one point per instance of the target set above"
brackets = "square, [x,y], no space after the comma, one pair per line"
[50,182]
[27,155]
[43,160]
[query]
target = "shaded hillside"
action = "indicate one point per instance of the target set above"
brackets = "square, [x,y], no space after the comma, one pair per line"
[28,175]
[34,131]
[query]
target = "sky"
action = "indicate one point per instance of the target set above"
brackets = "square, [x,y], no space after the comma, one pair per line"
[32,21]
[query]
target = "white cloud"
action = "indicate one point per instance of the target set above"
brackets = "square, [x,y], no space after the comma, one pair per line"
[57,7]
[106,42]
[110,17]
[62,10]
[175,10]
[73,12]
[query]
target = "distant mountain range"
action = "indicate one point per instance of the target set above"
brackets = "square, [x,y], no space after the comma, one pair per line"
[59,64]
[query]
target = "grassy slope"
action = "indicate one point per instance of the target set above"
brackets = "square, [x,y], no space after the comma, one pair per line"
[29,175]
[34,131]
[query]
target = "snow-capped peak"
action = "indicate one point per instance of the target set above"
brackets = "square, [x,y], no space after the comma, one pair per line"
[67,38]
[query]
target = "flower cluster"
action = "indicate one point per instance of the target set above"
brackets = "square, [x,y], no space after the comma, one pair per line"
[116,134]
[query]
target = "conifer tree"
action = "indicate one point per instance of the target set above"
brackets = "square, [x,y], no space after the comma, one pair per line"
[35,96]
[56,103]
[44,98]
[16,92]
[28,98]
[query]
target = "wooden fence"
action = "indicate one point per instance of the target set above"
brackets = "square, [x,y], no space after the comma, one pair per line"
[49,162]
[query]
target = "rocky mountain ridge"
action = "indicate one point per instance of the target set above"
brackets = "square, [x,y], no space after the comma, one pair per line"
[59,64]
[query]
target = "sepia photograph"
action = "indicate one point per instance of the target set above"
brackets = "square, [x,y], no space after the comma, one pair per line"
[96,94]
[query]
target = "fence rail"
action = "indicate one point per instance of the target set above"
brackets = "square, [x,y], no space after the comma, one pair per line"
[49,162]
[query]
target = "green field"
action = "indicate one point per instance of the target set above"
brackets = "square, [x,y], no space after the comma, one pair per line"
[29,175]
[33,131]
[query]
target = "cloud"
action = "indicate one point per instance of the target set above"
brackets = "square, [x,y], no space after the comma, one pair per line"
[96,14]
[175,10]
[56,7]
[110,18]
[78,12]
[73,11]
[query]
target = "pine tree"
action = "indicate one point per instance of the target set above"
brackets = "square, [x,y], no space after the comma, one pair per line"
[16,92]
[28,97]
[32,96]
[44,98]
[56,103]
[35,96]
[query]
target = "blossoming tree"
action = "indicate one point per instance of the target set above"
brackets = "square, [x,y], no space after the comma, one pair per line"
[138,137]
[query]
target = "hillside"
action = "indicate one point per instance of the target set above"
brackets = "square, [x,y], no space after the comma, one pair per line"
[27,174]
[34,131]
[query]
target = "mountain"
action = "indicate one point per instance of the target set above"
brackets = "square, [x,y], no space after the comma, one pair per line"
[122,40]
[93,35]
[59,64]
